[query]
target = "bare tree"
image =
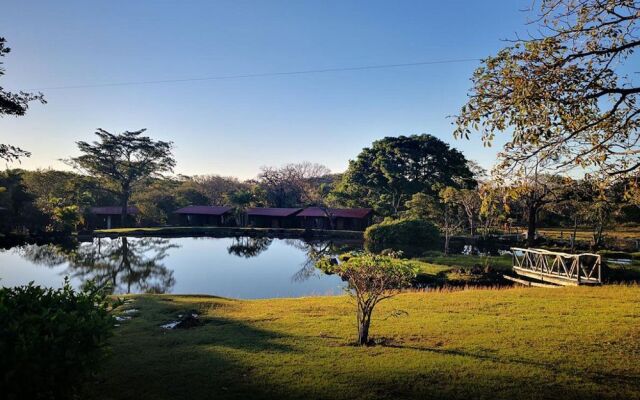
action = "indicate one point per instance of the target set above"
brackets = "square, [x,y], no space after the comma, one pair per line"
[299,184]
[217,188]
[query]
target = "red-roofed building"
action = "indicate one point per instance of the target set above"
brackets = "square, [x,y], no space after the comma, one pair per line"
[110,216]
[204,215]
[349,219]
[260,217]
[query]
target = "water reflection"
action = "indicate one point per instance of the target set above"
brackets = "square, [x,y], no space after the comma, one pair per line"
[248,247]
[241,267]
[316,251]
[124,265]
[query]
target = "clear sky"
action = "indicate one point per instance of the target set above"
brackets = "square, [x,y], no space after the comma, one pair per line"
[234,126]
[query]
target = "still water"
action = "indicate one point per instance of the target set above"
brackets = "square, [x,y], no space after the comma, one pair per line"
[229,267]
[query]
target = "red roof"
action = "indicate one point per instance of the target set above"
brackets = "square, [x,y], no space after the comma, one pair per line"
[316,212]
[273,212]
[113,210]
[203,210]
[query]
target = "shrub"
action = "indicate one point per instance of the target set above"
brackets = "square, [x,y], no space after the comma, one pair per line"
[51,340]
[411,236]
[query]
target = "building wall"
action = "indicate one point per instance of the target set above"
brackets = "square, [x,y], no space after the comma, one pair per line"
[261,221]
[102,221]
[204,220]
[339,223]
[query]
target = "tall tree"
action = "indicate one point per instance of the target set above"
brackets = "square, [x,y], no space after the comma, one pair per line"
[292,185]
[534,190]
[13,104]
[393,169]
[217,187]
[566,94]
[124,160]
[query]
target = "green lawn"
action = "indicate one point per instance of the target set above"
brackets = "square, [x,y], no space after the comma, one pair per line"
[499,263]
[517,343]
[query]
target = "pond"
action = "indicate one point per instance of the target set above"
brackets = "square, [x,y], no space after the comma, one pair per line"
[240,267]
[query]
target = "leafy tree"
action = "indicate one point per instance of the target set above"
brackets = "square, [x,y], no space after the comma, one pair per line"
[493,207]
[241,199]
[535,192]
[13,104]
[564,94]
[371,279]
[393,169]
[123,160]
[56,193]
[443,209]
[17,208]
[471,203]
[448,216]
[159,198]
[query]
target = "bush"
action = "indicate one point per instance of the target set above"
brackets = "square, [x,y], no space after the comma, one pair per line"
[411,236]
[51,340]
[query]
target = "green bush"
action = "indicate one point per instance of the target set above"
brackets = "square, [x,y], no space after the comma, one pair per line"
[411,236]
[51,340]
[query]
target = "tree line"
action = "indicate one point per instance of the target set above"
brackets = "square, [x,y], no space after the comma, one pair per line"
[406,177]
[564,95]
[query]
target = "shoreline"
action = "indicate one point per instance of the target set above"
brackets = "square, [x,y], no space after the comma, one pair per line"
[216,231]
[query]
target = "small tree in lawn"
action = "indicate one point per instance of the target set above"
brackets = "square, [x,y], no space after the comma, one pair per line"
[123,160]
[371,279]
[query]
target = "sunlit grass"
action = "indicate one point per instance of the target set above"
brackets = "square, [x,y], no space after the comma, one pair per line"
[509,344]
[587,234]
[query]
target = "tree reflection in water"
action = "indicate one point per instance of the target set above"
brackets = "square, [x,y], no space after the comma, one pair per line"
[316,251]
[248,247]
[122,264]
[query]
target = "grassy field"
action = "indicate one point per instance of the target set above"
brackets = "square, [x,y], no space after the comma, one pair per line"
[512,344]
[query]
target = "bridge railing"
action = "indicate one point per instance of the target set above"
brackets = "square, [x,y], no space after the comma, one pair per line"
[585,268]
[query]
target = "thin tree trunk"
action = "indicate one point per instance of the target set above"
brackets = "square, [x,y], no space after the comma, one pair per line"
[446,242]
[574,233]
[531,228]
[125,207]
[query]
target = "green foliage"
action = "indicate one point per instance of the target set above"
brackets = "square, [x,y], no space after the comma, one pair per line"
[408,235]
[122,161]
[14,104]
[66,218]
[368,270]
[372,278]
[17,209]
[393,169]
[563,94]
[51,340]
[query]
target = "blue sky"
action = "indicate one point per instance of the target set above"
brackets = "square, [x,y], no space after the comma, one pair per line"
[234,126]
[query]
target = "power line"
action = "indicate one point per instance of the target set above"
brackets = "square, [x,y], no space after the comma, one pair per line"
[258,75]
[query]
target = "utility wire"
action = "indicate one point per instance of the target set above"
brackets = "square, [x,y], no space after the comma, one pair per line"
[257,75]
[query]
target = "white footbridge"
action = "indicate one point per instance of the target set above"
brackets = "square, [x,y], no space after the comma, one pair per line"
[556,268]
